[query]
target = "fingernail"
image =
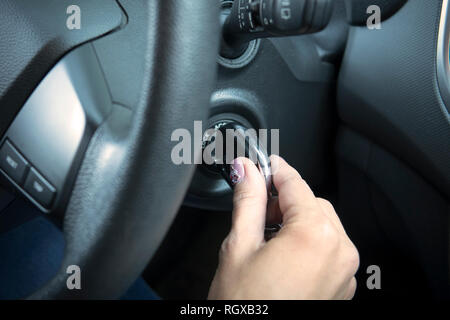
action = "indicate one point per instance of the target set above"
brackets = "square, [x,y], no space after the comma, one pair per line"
[237,171]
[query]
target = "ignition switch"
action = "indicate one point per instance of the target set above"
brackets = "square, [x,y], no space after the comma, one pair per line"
[236,140]
[249,145]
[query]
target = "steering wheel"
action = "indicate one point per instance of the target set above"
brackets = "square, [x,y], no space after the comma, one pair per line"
[119,190]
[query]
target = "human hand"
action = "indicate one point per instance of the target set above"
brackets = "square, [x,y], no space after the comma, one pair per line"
[311,257]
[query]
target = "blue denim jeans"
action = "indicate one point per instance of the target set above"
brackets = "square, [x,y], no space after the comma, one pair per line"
[30,255]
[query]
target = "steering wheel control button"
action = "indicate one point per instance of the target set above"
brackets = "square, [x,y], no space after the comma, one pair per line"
[40,189]
[13,163]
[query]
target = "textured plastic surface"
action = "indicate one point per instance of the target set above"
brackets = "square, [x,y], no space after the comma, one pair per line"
[34,37]
[387,207]
[57,121]
[357,9]
[388,90]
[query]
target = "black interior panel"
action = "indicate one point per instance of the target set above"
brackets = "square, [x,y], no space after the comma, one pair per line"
[389,212]
[40,42]
[357,9]
[388,90]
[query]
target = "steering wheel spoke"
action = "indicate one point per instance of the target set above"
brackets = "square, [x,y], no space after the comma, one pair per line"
[42,149]
[104,167]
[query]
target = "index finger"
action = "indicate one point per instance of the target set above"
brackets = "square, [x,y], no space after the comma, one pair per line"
[294,194]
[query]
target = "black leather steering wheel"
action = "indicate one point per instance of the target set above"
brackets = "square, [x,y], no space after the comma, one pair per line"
[127,190]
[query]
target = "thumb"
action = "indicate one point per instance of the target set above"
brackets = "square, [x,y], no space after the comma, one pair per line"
[249,204]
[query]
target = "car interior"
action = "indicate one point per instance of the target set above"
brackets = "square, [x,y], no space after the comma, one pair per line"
[88,109]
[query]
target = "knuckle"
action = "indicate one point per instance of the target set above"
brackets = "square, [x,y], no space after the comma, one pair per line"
[351,258]
[227,246]
[247,197]
[326,204]
[333,238]
[231,253]
[354,260]
[309,211]
[291,177]
[322,233]
[294,208]
[328,234]
[352,288]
